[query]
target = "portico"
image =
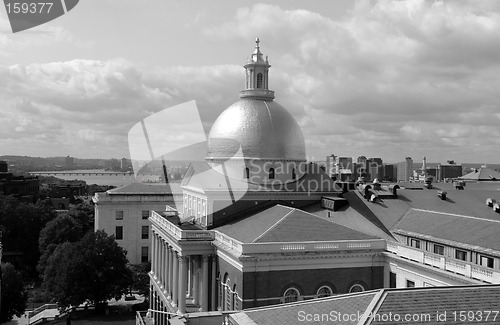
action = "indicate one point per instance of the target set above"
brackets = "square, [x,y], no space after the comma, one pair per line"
[183,266]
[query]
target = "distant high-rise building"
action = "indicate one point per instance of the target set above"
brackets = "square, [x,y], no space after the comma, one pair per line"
[449,170]
[375,168]
[69,162]
[405,170]
[124,164]
[344,168]
[389,172]
[330,165]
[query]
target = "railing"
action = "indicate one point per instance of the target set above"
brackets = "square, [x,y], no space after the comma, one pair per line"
[339,245]
[228,242]
[38,310]
[177,232]
[141,318]
[123,197]
[446,263]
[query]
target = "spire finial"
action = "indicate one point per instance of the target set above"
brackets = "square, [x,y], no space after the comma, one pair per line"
[257,41]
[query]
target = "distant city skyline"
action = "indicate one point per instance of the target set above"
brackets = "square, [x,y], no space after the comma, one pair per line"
[380,79]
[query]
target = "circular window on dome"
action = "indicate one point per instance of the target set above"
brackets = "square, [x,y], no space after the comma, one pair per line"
[291,295]
[324,291]
[357,288]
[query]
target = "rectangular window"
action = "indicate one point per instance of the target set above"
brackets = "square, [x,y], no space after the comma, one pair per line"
[410,284]
[145,232]
[119,215]
[438,249]
[392,280]
[460,255]
[415,243]
[144,254]
[486,261]
[145,214]
[119,232]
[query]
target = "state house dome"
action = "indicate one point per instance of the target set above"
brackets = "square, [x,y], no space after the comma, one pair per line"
[264,129]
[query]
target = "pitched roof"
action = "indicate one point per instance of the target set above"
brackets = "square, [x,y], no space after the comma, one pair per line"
[287,314]
[376,306]
[284,224]
[426,302]
[462,229]
[482,174]
[349,217]
[147,189]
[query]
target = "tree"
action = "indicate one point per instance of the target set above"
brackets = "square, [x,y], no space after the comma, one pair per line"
[140,278]
[93,269]
[21,223]
[13,295]
[62,229]
[84,214]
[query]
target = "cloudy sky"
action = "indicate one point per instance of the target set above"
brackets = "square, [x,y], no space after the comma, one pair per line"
[383,79]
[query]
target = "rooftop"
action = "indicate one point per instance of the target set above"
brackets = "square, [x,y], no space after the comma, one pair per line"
[147,189]
[375,307]
[285,224]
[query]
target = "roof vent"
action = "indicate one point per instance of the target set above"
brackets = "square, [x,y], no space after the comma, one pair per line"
[394,189]
[459,185]
[490,202]
[496,207]
[442,195]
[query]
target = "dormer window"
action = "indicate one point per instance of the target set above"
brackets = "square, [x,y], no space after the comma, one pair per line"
[259,80]
[271,173]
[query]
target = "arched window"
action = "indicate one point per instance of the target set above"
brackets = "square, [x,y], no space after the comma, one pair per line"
[357,288]
[247,173]
[291,295]
[228,304]
[271,173]
[324,291]
[235,305]
[259,80]
[294,176]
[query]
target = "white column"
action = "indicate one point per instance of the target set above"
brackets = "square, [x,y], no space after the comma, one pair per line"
[175,280]
[182,283]
[196,280]
[171,272]
[160,260]
[214,284]
[167,264]
[204,283]
[190,275]
[163,263]
[155,257]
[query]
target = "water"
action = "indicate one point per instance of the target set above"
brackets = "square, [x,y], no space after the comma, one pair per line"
[112,180]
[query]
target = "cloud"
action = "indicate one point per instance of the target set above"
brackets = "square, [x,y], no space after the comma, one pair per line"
[82,104]
[394,72]
[389,79]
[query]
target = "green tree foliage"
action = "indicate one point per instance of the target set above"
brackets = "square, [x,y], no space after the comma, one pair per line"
[140,278]
[13,295]
[21,224]
[62,229]
[84,214]
[93,269]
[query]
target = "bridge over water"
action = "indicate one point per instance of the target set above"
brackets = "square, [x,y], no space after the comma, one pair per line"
[87,173]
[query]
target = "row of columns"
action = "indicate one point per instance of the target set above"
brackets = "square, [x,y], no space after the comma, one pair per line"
[180,276]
